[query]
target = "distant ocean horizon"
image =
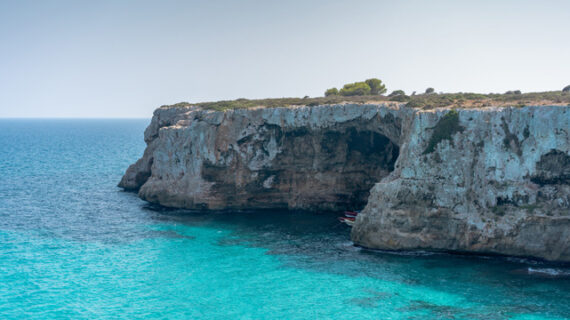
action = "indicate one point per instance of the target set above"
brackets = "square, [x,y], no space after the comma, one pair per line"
[75,246]
[71,118]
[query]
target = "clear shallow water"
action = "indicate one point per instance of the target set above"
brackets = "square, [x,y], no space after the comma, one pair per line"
[73,245]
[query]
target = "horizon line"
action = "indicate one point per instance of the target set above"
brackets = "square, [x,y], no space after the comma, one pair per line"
[74,118]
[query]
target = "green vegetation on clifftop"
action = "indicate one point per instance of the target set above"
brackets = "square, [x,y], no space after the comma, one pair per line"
[422,101]
[280,102]
[371,87]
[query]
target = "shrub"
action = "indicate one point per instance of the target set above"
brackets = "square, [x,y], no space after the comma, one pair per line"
[472,96]
[355,89]
[566,89]
[376,86]
[331,92]
[397,93]
[400,98]
[444,130]
[430,90]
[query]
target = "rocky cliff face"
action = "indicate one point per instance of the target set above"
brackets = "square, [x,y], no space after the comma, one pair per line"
[499,182]
[313,158]
[492,180]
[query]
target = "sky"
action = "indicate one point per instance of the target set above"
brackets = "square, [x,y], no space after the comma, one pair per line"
[123,59]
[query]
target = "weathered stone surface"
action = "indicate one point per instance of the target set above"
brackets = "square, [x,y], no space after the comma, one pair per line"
[492,180]
[314,158]
[500,186]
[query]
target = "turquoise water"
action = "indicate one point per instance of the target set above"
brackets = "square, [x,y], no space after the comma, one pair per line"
[74,246]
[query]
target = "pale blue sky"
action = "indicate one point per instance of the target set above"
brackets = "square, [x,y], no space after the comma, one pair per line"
[125,58]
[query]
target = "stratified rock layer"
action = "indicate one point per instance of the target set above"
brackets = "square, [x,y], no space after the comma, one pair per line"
[491,180]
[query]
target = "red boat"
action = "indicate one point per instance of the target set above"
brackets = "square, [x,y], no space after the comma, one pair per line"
[347,220]
[351,214]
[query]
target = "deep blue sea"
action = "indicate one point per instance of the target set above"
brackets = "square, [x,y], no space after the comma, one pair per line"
[74,246]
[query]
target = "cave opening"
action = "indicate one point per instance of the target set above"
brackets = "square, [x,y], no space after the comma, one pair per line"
[370,157]
[333,169]
[330,169]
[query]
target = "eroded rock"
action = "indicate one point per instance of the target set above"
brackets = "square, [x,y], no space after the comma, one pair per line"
[500,185]
[312,158]
[490,180]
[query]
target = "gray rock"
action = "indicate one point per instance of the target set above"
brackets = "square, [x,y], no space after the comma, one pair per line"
[501,186]
[496,182]
[312,158]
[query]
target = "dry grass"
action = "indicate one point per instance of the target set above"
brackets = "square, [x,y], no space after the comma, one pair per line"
[476,100]
[422,101]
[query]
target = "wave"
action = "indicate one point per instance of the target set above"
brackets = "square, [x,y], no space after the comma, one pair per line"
[549,272]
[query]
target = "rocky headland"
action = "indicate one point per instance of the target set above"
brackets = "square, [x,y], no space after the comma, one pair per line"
[492,179]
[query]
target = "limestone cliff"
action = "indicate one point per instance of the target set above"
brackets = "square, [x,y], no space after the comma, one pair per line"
[313,158]
[489,180]
[499,184]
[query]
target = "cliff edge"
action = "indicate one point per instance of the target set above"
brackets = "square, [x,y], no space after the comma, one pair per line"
[488,180]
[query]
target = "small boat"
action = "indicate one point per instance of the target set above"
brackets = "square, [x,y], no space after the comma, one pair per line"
[351,213]
[348,220]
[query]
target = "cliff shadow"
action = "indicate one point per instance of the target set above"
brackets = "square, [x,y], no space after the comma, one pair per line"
[330,168]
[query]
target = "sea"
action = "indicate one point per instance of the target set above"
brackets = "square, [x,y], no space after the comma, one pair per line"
[75,246]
